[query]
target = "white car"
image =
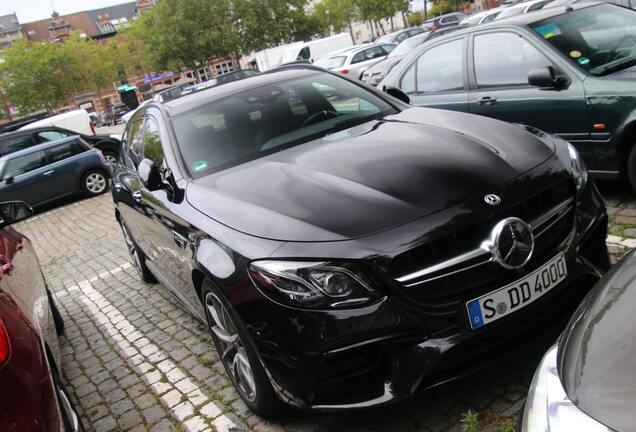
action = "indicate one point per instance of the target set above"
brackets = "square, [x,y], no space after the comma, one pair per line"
[354,61]
[76,121]
[482,17]
[522,8]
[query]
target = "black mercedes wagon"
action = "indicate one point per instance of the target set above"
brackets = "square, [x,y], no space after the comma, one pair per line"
[346,249]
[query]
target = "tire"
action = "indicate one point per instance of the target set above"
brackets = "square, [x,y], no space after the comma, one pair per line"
[631,168]
[94,182]
[58,321]
[137,256]
[112,159]
[240,359]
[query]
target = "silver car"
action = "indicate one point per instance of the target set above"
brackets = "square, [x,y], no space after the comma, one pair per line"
[354,61]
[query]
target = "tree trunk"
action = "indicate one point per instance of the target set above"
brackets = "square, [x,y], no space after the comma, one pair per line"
[353,37]
[425,11]
[392,26]
[372,32]
[382,27]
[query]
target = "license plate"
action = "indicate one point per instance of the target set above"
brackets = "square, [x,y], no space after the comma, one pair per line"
[511,298]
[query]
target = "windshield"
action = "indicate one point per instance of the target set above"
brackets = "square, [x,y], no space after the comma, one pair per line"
[331,62]
[599,39]
[513,11]
[289,56]
[407,46]
[271,118]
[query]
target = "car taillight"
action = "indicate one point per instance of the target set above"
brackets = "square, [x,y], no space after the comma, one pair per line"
[435,27]
[344,71]
[5,346]
[92,127]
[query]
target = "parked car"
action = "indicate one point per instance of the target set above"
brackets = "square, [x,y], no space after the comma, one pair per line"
[522,8]
[585,382]
[45,172]
[400,35]
[34,397]
[315,49]
[379,70]
[568,71]
[129,114]
[483,17]
[355,61]
[118,112]
[451,19]
[346,249]
[77,121]
[14,141]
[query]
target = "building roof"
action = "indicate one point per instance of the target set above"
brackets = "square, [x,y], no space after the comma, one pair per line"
[107,20]
[9,23]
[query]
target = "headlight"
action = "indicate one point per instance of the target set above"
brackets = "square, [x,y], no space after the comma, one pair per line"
[312,284]
[577,168]
[548,408]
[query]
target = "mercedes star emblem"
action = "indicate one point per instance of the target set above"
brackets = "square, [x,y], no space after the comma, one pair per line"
[512,243]
[492,199]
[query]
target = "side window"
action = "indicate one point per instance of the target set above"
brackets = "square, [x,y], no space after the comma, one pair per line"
[18,143]
[408,80]
[152,142]
[401,37]
[52,135]
[133,144]
[361,56]
[24,164]
[304,54]
[440,69]
[65,151]
[388,48]
[504,59]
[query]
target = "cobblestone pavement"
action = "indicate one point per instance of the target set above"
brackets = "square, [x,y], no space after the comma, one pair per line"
[134,360]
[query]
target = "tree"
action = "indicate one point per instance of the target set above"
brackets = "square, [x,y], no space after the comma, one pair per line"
[441,7]
[376,10]
[415,19]
[335,14]
[36,75]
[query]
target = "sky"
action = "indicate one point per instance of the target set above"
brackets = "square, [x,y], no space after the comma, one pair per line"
[33,10]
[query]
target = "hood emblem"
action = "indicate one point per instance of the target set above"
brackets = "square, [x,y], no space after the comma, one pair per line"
[492,199]
[512,243]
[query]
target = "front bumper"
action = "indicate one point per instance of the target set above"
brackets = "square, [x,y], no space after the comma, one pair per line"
[347,359]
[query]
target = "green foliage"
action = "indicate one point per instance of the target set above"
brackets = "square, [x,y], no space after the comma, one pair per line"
[441,7]
[470,422]
[506,425]
[376,10]
[335,14]
[415,19]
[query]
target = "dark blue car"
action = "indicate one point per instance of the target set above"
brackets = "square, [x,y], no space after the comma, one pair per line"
[48,171]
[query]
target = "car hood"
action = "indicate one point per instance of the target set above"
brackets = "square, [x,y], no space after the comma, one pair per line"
[597,350]
[369,178]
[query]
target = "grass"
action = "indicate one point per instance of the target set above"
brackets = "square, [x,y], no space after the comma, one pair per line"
[470,422]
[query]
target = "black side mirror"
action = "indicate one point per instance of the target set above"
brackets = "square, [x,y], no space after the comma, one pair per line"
[397,93]
[149,175]
[547,78]
[14,211]
[8,179]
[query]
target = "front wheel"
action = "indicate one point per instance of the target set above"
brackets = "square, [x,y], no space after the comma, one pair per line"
[631,168]
[238,354]
[94,183]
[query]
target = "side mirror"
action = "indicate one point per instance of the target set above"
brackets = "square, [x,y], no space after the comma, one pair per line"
[149,175]
[14,211]
[547,78]
[8,179]
[397,93]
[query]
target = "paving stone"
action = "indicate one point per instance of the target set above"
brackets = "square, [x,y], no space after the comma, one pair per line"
[154,414]
[196,424]
[183,410]
[164,426]
[130,419]
[105,424]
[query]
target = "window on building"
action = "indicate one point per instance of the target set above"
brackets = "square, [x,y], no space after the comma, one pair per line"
[223,68]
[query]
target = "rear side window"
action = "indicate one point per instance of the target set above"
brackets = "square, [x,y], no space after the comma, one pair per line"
[11,145]
[505,59]
[24,164]
[132,144]
[65,151]
[439,69]
[52,135]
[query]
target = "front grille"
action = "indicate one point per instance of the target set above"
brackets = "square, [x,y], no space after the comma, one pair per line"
[441,293]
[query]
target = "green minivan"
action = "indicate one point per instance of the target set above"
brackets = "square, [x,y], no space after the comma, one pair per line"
[568,70]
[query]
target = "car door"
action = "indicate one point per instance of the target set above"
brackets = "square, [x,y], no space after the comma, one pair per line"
[437,77]
[65,161]
[28,178]
[501,62]
[166,235]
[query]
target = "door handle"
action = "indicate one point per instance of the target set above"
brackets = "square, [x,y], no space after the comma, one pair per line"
[48,172]
[487,100]
[137,196]
[118,187]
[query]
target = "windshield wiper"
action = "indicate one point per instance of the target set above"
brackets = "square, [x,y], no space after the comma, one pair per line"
[613,67]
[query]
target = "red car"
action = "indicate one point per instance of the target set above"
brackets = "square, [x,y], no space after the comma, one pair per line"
[32,396]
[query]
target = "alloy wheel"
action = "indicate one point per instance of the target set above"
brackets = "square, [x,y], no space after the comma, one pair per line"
[111,161]
[132,250]
[232,350]
[95,183]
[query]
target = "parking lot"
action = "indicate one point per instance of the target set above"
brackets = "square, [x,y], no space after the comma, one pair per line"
[134,360]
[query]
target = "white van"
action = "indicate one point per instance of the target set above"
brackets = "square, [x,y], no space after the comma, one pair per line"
[76,121]
[315,49]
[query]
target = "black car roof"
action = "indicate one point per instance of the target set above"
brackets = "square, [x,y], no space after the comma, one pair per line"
[211,94]
[39,147]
